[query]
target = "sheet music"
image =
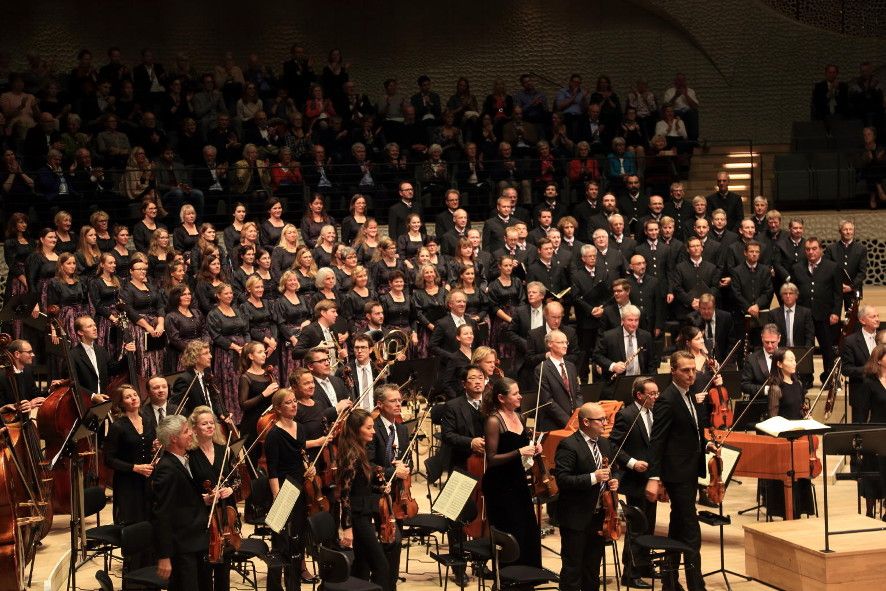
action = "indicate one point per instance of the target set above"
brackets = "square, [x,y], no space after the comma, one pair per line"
[454,495]
[775,426]
[283,505]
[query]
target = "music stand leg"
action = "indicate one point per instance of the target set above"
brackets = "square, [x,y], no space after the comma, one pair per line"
[723,570]
[74,523]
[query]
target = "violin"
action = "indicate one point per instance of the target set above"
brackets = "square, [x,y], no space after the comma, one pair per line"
[224,529]
[613,525]
[404,505]
[718,396]
[544,486]
[387,523]
[313,489]
[716,489]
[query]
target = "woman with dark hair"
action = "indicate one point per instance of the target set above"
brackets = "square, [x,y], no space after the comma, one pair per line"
[255,387]
[208,279]
[450,379]
[272,228]
[398,307]
[16,250]
[121,252]
[144,307]
[264,272]
[463,257]
[104,293]
[350,226]
[70,294]
[610,105]
[66,242]
[87,252]
[874,394]
[478,303]
[508,498]
[334,76]
[692,339]
[314,219]
[283,253]
[384,262]
[359,488]
[144,228]
[127,451]
[366,242]
[505,295]
[184,323]
[42,265]
[257,311]
[291,313]
[228,331]
[231,234]
[206,242]
[244,268]
[306,270]
[176,274]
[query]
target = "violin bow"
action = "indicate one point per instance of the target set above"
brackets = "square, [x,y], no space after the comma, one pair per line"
[178,411]
[412,441]
[218,484]
[531,410]
[832,377]
[246,451]
[720,366]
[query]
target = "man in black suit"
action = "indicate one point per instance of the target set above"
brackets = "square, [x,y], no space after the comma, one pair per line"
[608,208]
[678,209]
[363,373]
[197,382]
[789,251]
[445,220]
[483,259]
[733,254]
[536,350]
[331,393]
[526,317]
[589,294]
[321,330]
[656,253]
[758,366]
[546,269]
[388,449]
[157,406]
[494,227]
[633,433]
[91,362]
[855,353]
[632,204]
[625,350]
[851,257]
[752,282]
[23,393]
[618,239]
[443,343]
[512,248]
[550,202]
[402,209]
[793,321]
[580,477]
[693,277]
[821,290]
[719,231]
[727,200]
[609,259]
[830,97]
[559,384]
[544,223]
[677,461]
[612,311]
[716,324]
[712,250]
[586,210]
[648,293]
[456,230]
[180,512]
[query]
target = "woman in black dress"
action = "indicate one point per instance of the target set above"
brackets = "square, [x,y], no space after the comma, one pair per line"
[128,452]
[359,488]
[243,269]
[207,243]
[346,263]
[874,393]
[366,242]
[398,307]
[42,265]
[186,234]
[464,257]
[16,250]
[284,252]
[478,303]
[257,311]
[413,240]
[104,293]
[429,306]
[70,294]
[264,272]
[436,258]
[248,239]
[144,307]
[231,234]
[692,339]
[353,304]
[66,241]
[144,228]
[87,252]
[184,323]
[314,219]
[384,262]
[209,278]
[121,252]
[291,313]
[229,331]
[208,463]
[450,381]
[505,295]
[326,286]
[306,270]
[160,254]
[100,220]
[324,250]
[284,446]
[350,226]
[256,386]
[272,228]
[508,498]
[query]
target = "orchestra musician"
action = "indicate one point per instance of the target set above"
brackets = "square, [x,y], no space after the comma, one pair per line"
[363,371]
[634,457]
[256,387]
[197,360]
[22,354]
[330,391]
[559,384]
[855,353]
[874,386]
[677,461]
[320,331]
[580,477]
[486,359]
[692,339]
[180,511]
[758,365]
[283,452]
[157,406]
[386,449]
[128,449]
[625,350]
[793,320]
[359,489]
[716,324]
[90,361]
[509,507]
[208,463]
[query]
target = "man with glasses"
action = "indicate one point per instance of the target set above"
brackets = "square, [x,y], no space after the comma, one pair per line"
[402,210]
[632,430]
[582,480]
[677,460]
[330,391]
[22,355]
[320,331]
[363,372]
[559,384]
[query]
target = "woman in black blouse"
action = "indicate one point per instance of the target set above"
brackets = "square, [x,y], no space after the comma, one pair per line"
[66,241]
[176,274]
[231,234]
[128,452]
[121,252]
[272,228]
[42,265]
[284,252]
[478,303]
[366,242]
[345,266]
[429,306]
[292,315]
[384,262]
[100,220]
[207,242]
[283,449]
[186,234]
[411,242]
[436,258]
[255,388]
[264,272]
[350,226]
[16,250]
[398,307]
[257,311]
[144,307]
[184,323]
[326,286]
[327,242]
[229,331]
[306,270]
[144,228]
[104,293]
[505,295]
[160,254]
[354,301]
[248,238]
[464,257]
[314,219]
[244,268]
[874,394]
[359,488]
[208,279]
[70,294]
[87,252]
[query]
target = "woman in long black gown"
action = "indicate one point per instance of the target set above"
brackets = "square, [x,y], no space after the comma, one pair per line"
[256,386]
[508,498]
[184,323]
[16,250]
[505,295]
[874,393]
[262,326]
[104,293]
[144,307]
[291,313]
[429,306]
[69,293]
[229,331]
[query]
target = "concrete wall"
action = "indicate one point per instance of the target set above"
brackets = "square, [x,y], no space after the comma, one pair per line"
[751,67]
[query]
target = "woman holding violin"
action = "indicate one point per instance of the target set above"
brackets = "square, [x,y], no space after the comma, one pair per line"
[691,339]
[255,389]
[359,488]
[283,449]
[874,392]
[209,465]
[508,498]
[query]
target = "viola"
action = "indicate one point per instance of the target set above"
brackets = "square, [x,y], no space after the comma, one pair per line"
[262,426]
[404,505]
[613,525]
[718,396]
[544,486]
[224,529]
[387,523]
[716,488]
[476,467]
[313,489]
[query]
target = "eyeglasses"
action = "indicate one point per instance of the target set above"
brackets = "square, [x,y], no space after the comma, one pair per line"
[601,419]
[326,360]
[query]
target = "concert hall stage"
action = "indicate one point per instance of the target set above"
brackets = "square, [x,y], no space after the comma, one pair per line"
[788,554]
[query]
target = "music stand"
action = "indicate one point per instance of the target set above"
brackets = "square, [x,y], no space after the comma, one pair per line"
[18,307]
[849,440]
[82,427]
[452,503]
[591,392]
[622,391]
[805,366]
[730,456]
[423,373]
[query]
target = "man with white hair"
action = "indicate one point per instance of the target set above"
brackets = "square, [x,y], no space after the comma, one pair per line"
[559,384]
[855,353]
[625,350]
